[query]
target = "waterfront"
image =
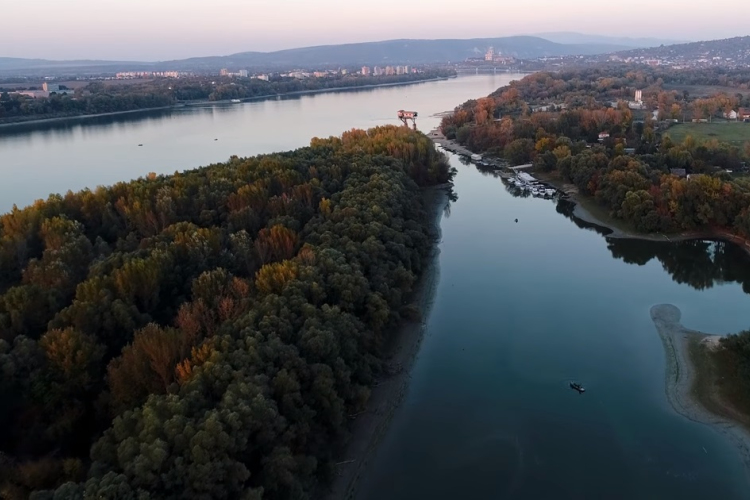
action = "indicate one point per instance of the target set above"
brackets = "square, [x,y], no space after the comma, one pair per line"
[520,310]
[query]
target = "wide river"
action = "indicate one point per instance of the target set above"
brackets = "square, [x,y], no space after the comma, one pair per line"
[520,309]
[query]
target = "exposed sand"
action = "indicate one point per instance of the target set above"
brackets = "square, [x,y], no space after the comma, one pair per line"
[681,373]
[370,426]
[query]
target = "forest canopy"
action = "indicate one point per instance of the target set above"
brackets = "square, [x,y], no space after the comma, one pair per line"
[207,334]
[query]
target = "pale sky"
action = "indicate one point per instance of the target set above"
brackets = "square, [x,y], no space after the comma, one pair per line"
[151,30]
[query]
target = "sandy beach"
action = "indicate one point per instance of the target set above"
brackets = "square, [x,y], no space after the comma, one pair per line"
[681,376]
[370,425]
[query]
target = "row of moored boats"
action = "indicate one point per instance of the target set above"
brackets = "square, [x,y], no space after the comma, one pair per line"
[536,188]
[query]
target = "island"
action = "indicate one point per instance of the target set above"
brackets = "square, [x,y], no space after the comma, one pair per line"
[214,333]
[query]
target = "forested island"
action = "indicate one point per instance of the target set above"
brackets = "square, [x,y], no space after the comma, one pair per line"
[109,97]
[207,334]
[583,129]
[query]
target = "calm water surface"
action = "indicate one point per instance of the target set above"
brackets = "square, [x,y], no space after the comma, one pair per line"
[39,159]
[521,309]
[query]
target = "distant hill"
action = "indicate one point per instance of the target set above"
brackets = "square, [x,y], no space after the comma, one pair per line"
[13,63]
[727,52]
[582,39]
[399,51]
[386,52]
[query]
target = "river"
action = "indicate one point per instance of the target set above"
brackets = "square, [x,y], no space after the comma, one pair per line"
[521,308]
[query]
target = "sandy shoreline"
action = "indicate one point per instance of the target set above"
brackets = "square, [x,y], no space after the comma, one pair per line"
[371,425]
[681,375]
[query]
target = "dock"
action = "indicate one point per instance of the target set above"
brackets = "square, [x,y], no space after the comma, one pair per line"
[456,148]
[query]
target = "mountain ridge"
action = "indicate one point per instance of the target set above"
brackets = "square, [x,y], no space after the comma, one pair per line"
[405,51]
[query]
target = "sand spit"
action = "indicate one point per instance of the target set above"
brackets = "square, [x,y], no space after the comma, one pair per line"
[681,373]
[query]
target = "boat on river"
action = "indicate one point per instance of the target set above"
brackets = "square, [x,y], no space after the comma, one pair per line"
[577,387]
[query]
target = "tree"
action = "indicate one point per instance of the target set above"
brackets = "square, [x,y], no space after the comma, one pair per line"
[519,151]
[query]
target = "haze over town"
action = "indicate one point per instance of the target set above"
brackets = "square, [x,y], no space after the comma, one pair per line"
[150,31]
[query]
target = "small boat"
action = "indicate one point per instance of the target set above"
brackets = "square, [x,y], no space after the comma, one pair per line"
[139,145]
[235,101]
[577,387]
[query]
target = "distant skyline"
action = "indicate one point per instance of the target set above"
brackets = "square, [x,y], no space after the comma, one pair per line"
[148,30]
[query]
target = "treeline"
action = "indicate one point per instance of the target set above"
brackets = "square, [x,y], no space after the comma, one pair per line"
[601,84]
[250,88]
[100,97]
[734,369]
[16,107]
[206,334]
[609,155]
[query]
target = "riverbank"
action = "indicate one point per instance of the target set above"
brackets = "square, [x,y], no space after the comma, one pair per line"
[201,103]
[372,423]
[689,381]
[297,93]
[82,117]
[587,210]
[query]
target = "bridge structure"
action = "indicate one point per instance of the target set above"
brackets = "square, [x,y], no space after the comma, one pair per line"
[405,116]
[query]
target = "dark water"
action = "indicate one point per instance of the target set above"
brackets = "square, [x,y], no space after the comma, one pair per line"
[521,309]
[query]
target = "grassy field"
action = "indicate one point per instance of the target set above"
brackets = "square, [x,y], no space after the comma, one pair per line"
[736,133]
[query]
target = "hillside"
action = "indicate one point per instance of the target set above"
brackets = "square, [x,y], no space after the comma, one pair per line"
[385,52]
[399,51]
[566,37]
[727,52]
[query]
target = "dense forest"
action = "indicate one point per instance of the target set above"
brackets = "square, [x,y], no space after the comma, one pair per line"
[639,175]
[207,334]
[101,97]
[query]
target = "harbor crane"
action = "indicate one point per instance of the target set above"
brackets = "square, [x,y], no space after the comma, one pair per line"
[405,116]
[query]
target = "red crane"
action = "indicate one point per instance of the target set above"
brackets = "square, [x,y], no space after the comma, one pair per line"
[405,116]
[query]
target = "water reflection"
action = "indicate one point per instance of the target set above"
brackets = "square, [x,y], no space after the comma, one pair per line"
[103,124]
[702,264]
[698,263]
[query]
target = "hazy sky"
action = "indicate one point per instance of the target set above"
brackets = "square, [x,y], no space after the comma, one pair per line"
[171,29]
